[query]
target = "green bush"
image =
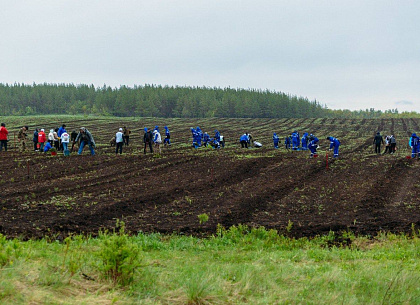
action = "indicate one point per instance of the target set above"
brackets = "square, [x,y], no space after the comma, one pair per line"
[119,256]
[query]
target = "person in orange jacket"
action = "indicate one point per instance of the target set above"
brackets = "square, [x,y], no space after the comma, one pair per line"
[42,138]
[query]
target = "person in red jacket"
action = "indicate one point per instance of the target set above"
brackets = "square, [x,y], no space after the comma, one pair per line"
[3,137]
[41,139]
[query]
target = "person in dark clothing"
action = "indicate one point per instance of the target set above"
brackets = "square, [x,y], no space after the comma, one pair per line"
[377,141]
[35,139]
[73,137]
[148,140]
[126,137]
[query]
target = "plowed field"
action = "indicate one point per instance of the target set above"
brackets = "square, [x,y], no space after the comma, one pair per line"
[360,191]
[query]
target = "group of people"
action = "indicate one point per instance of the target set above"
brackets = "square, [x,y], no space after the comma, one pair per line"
[154,137]
[307,142]
[203,139]
[390,143]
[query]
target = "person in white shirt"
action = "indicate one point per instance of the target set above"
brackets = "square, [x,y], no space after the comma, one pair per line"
[65,139]
[119,140]
[157,139]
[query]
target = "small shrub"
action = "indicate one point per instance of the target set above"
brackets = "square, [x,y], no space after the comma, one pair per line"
[119,256]
[203,218]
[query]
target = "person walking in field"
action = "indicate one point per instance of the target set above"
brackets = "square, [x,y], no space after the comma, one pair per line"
[377,141]
[85,138]
[126,135]
[119,141]
[167,140]
[4,135]
[42,138]
[148,139]
[22,137]
[60,132]
[157,139]
[334,143]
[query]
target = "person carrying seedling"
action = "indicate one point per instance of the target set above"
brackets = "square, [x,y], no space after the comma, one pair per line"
[377,141]
[313,145]
[414,143]
[276,140]
[334,143]
[22,138]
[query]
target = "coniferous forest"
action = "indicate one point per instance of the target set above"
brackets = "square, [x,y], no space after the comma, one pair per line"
[165,101]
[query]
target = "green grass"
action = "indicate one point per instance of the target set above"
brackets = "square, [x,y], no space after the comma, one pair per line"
[237,266]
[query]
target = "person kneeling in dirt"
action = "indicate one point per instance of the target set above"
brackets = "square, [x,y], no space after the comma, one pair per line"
[334,143]
[85,138]
[214,143]
[313,145]
[113,142]
[148,139]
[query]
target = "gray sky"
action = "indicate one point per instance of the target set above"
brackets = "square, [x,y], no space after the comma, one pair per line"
[346,54]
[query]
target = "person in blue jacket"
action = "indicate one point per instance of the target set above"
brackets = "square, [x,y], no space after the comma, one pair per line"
[288,142]
[199,135]
[214,143]
[244,140]
[276,140]
[334,143]
[47,146]
[305,141]
[415,145]
[295,140]
[206,139]
[217,135]
[167,139]
[313,145]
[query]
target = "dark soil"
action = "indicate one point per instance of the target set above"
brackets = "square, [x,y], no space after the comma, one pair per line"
[56,195]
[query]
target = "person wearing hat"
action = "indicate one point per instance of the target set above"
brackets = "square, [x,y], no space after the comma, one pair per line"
[119,141]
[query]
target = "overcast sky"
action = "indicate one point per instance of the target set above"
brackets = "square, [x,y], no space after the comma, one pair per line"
[345,54]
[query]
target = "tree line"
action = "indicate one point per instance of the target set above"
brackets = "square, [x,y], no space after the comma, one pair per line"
[166,101]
